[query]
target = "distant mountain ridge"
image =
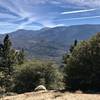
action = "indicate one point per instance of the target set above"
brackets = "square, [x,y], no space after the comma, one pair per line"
[51,42]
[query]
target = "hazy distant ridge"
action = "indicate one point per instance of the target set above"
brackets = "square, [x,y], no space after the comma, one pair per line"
[51,42]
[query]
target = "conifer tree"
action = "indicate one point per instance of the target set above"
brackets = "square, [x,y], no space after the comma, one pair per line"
[8,58]
[7,55]
[67,55]
[83,66]
[73,46]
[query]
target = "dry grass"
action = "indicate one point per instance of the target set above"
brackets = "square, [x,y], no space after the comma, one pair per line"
[51,95]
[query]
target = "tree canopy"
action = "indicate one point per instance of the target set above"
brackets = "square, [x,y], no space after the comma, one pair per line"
[83,65]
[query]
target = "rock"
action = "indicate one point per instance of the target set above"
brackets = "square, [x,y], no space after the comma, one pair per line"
[78,92]
[40,88]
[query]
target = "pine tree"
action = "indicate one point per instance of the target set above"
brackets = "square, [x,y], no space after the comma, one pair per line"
[8,58]
[7,61]
[67,55]
[83,66]
[7,55]
[73,46]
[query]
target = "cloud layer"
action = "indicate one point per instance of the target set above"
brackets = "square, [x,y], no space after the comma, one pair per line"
[35,14]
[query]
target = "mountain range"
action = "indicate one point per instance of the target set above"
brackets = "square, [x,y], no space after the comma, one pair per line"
[50,43]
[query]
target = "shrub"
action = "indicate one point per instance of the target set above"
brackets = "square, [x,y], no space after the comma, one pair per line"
[32,74]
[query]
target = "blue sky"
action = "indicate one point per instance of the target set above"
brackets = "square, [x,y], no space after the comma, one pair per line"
[36,14]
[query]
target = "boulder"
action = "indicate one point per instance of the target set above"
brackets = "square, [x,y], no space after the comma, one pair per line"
[40,88]
[78,92]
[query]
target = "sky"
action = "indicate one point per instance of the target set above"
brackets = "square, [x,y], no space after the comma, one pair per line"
[36,14]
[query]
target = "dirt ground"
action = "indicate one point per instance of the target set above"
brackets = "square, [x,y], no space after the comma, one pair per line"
[51,95]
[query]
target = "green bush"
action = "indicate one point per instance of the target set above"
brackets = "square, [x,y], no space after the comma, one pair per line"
[83,66]
[32,74]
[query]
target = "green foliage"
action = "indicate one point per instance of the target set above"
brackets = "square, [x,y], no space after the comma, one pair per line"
[67,55]
[8,58]
[32,74]
[2,79]
[21,57]
[83,65]
[7,55]
[73,46]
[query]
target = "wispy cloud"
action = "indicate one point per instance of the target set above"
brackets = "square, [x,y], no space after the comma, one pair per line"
[78,11]
[86,3]
[18,14]
[29,21]
[79,18]
[92,17]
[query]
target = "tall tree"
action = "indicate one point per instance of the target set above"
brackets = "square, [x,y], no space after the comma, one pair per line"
[8,58]
[73,46]
[7,55]
[83,66]
[67,55]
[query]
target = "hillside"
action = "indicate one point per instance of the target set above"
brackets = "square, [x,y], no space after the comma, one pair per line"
[53,96]
[50,42]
